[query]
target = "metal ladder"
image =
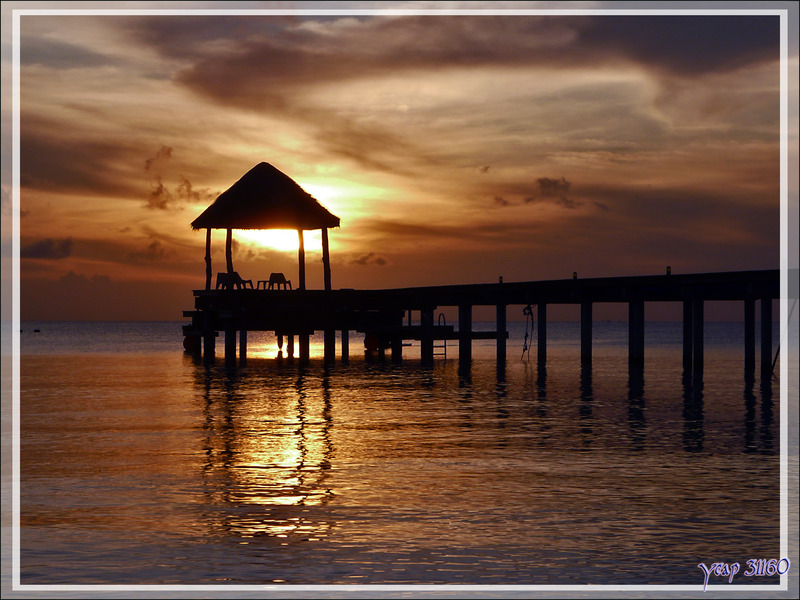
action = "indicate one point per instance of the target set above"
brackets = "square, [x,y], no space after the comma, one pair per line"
[440,349]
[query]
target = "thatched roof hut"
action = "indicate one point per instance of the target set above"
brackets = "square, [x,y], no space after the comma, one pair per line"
[266,198]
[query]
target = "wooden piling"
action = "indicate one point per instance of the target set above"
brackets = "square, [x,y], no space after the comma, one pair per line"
[464,333]
[305,346]
[698,327]
[636,334]
[541,313]
[500,327]
[766,338]
[329,345]
[290,346]
[750,334]
[426,343]
[687,335]
[586,332]
[243,345]
[397,349]
[230,344]
[345,345]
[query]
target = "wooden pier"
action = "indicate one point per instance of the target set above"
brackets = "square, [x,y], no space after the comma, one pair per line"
[381,314]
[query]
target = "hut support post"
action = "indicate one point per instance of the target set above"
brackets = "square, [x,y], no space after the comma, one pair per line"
[229,251]
[750,335]
[326,259]
[301,259]
[636,334]
[541,312]
[586,332]
[766,338]
[464,333]
[687,335]
[208,258]
[500,326]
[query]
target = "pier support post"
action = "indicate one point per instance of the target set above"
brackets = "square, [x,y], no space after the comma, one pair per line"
[426,343]
[243,345]
[541,340]
[766,338]
[697,335]
[290,346]
[230,344]
[586,332]
[687,336]
[464,333]
[209,339]
[750,335]
[345,345]
[329,345]
[397,349]
[636,334]
[500,326]
[305,346]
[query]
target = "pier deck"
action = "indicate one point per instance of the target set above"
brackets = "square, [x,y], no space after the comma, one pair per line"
[380,313]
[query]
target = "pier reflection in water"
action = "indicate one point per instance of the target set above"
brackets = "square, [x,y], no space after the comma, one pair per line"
[386,473]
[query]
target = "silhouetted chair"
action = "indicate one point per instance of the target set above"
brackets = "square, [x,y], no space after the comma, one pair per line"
[229,281]
[278,281]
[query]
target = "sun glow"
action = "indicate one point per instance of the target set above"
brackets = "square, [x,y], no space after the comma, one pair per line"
[284,240]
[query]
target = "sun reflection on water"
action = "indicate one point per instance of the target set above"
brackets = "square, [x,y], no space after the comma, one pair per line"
[268,453]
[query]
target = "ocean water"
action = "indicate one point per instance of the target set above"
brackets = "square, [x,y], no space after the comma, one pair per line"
[141,466]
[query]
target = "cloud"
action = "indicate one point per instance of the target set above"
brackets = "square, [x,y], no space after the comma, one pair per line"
[58,54]
[369,259]
[48,248]
[160,196]
[155,251]
[163,155]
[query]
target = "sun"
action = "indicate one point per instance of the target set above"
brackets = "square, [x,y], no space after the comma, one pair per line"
[284,240]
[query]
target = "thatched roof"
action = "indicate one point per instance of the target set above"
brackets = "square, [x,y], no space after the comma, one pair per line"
[265,198]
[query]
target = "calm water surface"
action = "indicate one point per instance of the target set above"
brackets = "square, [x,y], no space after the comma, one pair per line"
[140,466]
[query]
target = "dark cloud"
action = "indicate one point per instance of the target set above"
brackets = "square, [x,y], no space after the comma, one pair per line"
[500,201]
[160,196]
[687,45]
[155,251]
[369,259]
[261,66]
[58,55]
[164,154]
[270,64]
[48,248]
[53,158]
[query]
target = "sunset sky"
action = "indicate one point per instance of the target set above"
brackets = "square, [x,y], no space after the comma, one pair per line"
[455,149]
